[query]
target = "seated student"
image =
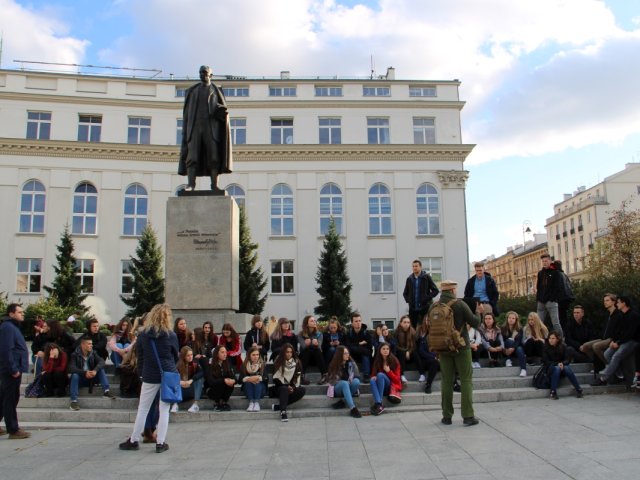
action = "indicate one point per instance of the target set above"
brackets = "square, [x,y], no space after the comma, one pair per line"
[310,343]
[220,379]
[54,371]
[287,372]
[181,329]
[121,342]
[271,325]
[331,339]
[383,335]
[253,378]
[578,332]
[428,359]
[344,380]
[282,335]
[51,332]
[475,344]
[555,358]
[406,350]
[85,367]
[358,341]
[257,337]
[534,335]
[385,379]
[513,349]
[492,341]
[130,383]
[595,348]
[191,380]
[231,341]
[204,341]
[98,338]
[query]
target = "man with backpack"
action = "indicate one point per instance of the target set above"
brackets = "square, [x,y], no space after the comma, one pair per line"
[448,338]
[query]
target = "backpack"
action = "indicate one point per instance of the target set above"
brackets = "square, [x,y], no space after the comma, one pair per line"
[541,378]
[443,335]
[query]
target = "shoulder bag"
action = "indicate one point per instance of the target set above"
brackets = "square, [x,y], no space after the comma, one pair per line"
[170,389]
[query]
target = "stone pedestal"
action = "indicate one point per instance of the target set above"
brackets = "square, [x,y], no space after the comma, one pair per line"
[202,259]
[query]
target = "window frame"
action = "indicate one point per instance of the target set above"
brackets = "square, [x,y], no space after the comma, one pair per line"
[332,198]
[423,91]
[279,201]
[85,275]
[282,130]
[283,276]
[233,190]
[29,274]
[290,91]
[426,215]
[382,274]
[381,128]
[235,91]
[84,214]
[139,220]
[31,214]
[426,132]
[126,277]
[380,216]
[91,127]
[238,125]
[428,266]
[328,91]
[141,128]
[381,91]
[332,129]
[38,128]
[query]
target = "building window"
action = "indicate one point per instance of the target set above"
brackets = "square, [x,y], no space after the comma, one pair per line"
[378,130]
[126,279]
[581,241]
[238,131]
[181,92]
[433,266]
[379,210]
[376,91]
[38,125]
[580,220]
[330,208]
[237,192]
[588,217]
[281,131]
[281,211]
[428,207]
[281,276]
[32,205]
[282,91]
[381,275]
[424,131]
[328,91]
[330,130]
[85,270]
[136,203]
[235,91]
[178,131]
[422,91]
[85,210]
[29,278]
[89,128]
[139,132]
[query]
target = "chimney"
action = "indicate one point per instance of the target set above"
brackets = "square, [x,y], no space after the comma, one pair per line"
[285,75]
[566,196]
[391,73]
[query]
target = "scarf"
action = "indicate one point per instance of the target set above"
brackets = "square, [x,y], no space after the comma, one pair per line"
[286,376]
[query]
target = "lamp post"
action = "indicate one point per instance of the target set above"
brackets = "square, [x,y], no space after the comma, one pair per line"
[526,228]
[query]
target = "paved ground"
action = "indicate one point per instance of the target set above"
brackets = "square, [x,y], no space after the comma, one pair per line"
[596,437]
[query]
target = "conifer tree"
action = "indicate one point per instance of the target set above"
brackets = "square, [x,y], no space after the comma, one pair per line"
[66,288]
[333,282]
[148,278]
[252,281]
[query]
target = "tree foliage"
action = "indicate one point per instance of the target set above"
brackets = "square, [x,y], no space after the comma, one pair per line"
[332,279]
[252,281]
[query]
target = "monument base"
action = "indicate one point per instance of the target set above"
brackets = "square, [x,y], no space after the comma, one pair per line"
[196,317]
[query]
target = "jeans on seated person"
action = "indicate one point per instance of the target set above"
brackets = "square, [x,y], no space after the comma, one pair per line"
[347,390]
[78,381]
[380,386]
[555,373]
[518,352]
[116,358]
[194,391]
[254,391]
[614,357]
[37,366]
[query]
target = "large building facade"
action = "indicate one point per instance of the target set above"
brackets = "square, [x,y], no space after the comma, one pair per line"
[383,157]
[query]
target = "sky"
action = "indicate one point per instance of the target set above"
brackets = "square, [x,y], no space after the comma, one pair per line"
[552,87]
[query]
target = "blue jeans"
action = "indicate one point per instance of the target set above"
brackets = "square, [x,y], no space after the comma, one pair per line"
[116,358]
[254,391]
[194,391]
[555,373]
[78,381]
[347,390]
[519,352]
[614,357]
[380,386]
[37,366]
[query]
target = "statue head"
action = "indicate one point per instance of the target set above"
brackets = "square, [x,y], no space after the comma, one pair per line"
[205,74]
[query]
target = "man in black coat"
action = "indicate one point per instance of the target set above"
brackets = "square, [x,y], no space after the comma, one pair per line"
[98,338]
[579,331]
[358,341]
[548,292]
[483,287]
[419,292]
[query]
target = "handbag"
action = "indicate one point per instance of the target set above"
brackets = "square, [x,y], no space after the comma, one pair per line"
[170,389]
[331,392]
[35,389]
[541,378]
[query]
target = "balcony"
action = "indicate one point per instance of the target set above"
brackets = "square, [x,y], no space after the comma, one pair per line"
[580,228]
[558,236]
[572,231]
[576,208]
[564,234]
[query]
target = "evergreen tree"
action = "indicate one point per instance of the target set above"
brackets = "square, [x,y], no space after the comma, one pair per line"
[252,281]
[333,282]
[66,288]
[148,279]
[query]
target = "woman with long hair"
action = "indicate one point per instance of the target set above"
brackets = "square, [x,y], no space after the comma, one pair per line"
[406,350]
[191,380]
[54,371]
[220,378]
[181,329]
[157,332]
[287,371]
[231,341]
[331,339]
[121,342]
[310,341]
[385,378]
[344,380]
[491,339]
[257,337]
[428,359]
[556,360]
[282,335]
[534,336]
[205,340]
[513,349]
[51,332]
[253,378]
[383,335]
[270,325]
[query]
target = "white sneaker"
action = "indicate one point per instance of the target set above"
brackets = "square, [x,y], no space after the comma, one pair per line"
[194,408]
[174,408]
[422,378]
[509,363]
[256,407]
[404,379]
[250,407]
[523,373]
[476,365]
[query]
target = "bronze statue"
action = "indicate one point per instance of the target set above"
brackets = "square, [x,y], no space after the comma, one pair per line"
[206,136]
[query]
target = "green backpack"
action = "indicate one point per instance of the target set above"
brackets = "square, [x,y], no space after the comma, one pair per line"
[443,335]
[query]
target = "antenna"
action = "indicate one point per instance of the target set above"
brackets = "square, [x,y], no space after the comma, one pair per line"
[373,68]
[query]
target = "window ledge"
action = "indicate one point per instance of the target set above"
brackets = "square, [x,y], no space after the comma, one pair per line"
[30,234]
[131,236]
[31,294]
[381,236]
[291,294]
[429,235]
[341,237]
[282,237]
[383,293]
[84,235]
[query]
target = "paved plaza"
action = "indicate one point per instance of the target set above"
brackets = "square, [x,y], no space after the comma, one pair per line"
[596,437]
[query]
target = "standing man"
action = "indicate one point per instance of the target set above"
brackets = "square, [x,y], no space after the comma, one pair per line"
[459,361]
[419,291]
[14,361]
[206,135]
[483,288]
[548,290]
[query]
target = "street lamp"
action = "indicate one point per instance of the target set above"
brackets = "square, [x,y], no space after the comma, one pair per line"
[526,228]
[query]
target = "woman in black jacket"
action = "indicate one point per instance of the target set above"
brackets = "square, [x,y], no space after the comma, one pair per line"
[220,378]
[257,337]
[554,357]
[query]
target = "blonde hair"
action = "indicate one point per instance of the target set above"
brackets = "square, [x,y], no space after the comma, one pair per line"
[159,318]
[540,331]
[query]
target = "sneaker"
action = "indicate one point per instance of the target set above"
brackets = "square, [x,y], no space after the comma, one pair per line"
[470,421]
[275,407]
[579,393]
[381,409]
[374,409]
[456,387]
[162,447]
[446,421]
[422,379]
[355,413]
[108,394]
[74,405]
[283,416]
[129,445]
[256,407]
[19,434]
[225,407]
[427,388]
[508,363]
[250,407]
[339,404]
[217,407]
[404,380]
[194,408]
[553,396]
[174,408]
[476,365]
[523,372]
[599,382]
[2,431]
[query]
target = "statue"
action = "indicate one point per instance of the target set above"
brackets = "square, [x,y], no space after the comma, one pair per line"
[206,136]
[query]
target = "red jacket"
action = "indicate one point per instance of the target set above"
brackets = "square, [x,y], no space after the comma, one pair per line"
[395,377]
[56,364]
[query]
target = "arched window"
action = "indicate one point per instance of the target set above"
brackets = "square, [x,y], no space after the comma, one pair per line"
[32,205]
[281,210]
[237,192]
[428,209]
[379,210]
[85,209]
[330,207]
[136,205]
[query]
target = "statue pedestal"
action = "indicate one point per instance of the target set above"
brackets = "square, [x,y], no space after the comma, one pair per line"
[202,259]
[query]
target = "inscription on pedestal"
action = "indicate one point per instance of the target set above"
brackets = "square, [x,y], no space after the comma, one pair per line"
[201,241]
